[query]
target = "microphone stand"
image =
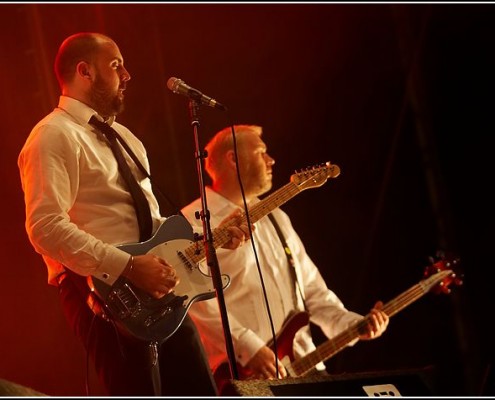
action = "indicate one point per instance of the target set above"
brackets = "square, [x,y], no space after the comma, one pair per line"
[211,256]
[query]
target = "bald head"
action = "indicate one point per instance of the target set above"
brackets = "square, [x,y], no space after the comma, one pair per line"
[79,47]
[253,165]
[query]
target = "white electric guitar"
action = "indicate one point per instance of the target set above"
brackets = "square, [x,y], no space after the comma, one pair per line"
[145,317]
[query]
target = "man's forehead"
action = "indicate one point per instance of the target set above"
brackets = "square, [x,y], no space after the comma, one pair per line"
[110,51]
[256,141]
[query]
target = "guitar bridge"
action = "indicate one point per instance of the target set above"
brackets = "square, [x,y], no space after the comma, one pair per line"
[124,302]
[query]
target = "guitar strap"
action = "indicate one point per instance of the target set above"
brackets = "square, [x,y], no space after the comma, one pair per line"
[290,259]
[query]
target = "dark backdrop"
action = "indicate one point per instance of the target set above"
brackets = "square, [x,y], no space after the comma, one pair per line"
[400,96]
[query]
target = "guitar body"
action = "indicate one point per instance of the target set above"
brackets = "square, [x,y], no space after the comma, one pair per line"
[285,340]
[285,337]
[144,316]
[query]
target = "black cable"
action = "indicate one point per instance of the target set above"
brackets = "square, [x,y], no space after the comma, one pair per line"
[254,252]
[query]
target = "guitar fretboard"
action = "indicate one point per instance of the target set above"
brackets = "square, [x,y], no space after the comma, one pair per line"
[313,178]
[221,235]
[331,347]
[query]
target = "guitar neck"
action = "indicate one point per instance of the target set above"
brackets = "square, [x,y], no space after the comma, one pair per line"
[331,347]
[221,235]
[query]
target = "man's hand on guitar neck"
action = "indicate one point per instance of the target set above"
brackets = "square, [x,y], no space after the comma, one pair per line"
[239,233]
[377,323]
[262,365]
[157,277]
[152,274]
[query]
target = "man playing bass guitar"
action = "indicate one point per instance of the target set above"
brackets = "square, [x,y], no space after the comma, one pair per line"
[293,282]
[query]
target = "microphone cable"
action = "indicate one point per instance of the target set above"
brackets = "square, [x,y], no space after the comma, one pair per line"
[248,220]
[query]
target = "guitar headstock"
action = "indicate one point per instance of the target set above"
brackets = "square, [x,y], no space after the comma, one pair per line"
[315,176]
[443,263]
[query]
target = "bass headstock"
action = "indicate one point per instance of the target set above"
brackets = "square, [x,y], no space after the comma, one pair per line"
[440,263]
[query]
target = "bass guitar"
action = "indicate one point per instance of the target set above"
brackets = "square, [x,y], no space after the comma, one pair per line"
[144,317]
[437,278]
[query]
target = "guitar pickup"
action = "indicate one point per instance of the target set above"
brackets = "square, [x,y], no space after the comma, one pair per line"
[185,261]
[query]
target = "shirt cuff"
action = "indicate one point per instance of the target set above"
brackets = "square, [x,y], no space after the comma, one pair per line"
[247,346]
[112,266]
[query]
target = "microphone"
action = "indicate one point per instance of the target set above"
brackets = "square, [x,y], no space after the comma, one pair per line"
[178,86]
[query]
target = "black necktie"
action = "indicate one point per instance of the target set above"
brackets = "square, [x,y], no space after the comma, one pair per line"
[140,202]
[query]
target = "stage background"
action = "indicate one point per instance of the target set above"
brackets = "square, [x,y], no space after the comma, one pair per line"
[400,96]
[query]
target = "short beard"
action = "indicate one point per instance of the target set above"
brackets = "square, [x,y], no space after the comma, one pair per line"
[106,104]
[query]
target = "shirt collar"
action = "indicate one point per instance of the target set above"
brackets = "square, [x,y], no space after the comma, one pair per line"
[80,111]
[216,198]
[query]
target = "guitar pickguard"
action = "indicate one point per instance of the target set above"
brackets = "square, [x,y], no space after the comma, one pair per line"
[144,316]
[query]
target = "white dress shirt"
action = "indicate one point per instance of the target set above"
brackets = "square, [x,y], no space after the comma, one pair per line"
[244,299]
[77,205]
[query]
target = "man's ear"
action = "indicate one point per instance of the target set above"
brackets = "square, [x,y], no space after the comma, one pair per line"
[83,69]
[230,158]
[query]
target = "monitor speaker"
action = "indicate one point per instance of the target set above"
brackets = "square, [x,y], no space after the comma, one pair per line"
[11,389]
[372,384]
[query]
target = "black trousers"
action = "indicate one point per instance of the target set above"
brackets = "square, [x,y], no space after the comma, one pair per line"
[123,364]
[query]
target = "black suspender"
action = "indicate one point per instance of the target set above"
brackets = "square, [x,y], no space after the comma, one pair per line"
[290,259]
